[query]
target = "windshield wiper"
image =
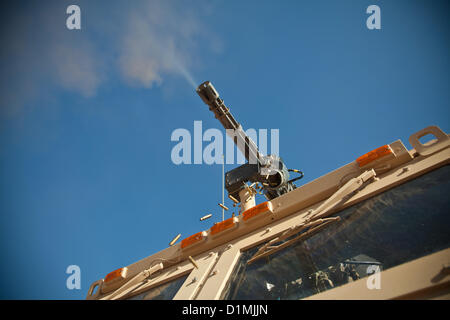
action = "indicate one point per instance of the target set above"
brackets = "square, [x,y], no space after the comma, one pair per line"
[373,263]
[315,220]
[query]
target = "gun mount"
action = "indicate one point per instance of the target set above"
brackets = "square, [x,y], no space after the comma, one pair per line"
[269,170]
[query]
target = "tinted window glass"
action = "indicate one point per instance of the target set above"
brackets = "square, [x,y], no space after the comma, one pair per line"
[399,225]
[165,291]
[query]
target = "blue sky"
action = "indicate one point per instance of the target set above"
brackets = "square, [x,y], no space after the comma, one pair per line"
[86,116]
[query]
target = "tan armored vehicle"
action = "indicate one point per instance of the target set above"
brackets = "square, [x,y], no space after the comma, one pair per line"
[376,228]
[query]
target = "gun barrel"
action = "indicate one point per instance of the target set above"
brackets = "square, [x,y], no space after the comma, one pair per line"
[211,97]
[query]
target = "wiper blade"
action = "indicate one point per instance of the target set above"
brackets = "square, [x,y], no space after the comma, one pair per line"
[362,262]
[315,221]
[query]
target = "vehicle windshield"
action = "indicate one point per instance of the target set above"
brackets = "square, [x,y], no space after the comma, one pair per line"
[399,225]
[165,291]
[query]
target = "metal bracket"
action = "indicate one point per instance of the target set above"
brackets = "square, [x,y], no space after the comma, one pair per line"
[443,140]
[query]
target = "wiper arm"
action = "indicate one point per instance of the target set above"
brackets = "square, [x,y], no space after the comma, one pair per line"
[315,221]
[363,262]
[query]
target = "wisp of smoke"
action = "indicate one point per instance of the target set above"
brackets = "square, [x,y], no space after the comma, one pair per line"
[150,41]
[188,76]
[157,42]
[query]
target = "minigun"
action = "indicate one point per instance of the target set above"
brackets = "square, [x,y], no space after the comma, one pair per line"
[269,170]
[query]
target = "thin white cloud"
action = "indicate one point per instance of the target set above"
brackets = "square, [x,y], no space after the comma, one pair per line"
[40,53]
[77,68]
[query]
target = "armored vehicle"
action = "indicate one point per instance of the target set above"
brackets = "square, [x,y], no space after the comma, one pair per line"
[376,228]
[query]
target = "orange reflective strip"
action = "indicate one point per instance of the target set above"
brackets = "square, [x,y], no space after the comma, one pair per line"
[222,226]
[192,239]
[374,155]
[256,210]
